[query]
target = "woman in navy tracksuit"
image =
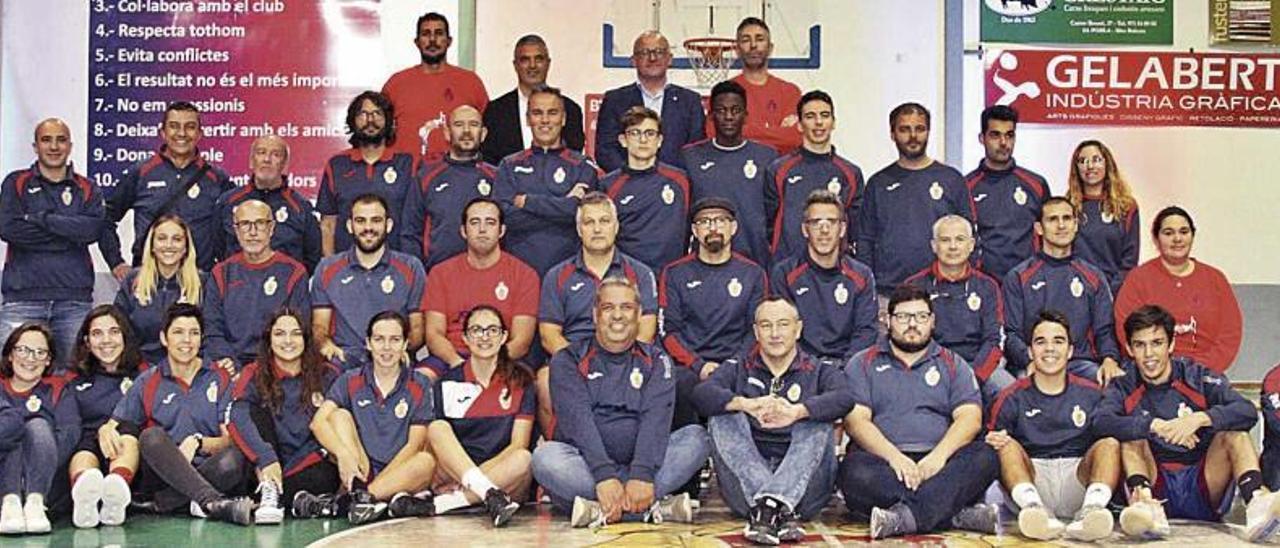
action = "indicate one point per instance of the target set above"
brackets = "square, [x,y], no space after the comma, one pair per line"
[167,275]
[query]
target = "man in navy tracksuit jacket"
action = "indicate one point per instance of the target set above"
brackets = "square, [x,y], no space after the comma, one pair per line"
[48,216]
[731,167]
[814,166]
[1055,280]
[652,198]
[1006,198]
[707,298]
[433,208]
[297,230]
[903,200]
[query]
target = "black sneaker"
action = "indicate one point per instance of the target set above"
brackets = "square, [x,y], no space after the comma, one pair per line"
[500,506]
[762,524]
[364,508]
[231,510]
[789,528]
[308,505]
[404,505]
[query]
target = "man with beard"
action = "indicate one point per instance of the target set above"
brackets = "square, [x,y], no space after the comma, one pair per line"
[483,275]
[731,167]
[176,179]
[504,117]
[297,231]
[652,197]
[350,288]
[769,97]
[836,294]
[1006,198]
[424,94]
[904,199]
[431,229]
[915,466]
[815,166]
[370,166]
[540,186]
[1054,279]
[1182,425]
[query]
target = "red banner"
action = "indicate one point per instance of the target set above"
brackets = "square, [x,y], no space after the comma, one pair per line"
[1134,88]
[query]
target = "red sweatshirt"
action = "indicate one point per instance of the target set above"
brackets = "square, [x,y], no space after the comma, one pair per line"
[1209,325]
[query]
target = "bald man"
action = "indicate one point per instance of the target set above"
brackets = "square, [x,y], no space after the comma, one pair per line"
[297,231]
[49,215]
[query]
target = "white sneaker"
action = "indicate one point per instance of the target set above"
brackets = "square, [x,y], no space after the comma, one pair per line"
[1035,522]
[196,511]
[269,511]
[1262,517]
[1092,523]
[677,508]
[33,514]
[586,513]
[116,497]
[1145,520]
[85,496]
[12,522]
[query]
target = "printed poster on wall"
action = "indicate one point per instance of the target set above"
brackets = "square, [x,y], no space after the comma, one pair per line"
[1244,22]
[1135,88]
[1077,21]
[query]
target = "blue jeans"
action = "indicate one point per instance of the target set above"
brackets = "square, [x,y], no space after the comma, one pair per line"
[560,468]
[29,468]
[62,317]
[802,479]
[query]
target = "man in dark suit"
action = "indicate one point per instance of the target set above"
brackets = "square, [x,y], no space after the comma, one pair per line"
[504,118]
[683,119]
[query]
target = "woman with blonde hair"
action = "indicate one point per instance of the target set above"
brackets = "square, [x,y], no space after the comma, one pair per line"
[168,275]
[1109,223]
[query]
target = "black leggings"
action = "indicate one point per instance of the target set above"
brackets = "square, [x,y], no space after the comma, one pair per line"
[175,482]
[319,477]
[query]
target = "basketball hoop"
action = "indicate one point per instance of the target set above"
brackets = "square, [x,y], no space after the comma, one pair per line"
[710,58]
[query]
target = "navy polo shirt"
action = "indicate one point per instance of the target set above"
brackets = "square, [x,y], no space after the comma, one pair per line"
[838,305]
[1006,204]
[707,310]
[383,421]
[347,176]
[790,180]
[356,294]
[968,314]
[1069,285]
[147,320]
[1048,426]
[297,231]
[738,175]
[895,222]
[543,232]
[653,212]
[243,296]
[157,398]
[569,293]
[296,446]
[912,406]
[433,208]
[482,417]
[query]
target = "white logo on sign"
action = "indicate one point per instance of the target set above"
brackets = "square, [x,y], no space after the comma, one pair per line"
[1010,91]
[1018,7]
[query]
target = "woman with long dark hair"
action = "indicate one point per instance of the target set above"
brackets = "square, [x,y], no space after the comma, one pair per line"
[167,275]
[485,413]
[272,403]
[106,359]
[1109,221]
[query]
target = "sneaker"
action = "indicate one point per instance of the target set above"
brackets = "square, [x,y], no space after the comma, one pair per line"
[364,508]
[1262,517]
[790,530]
[33,514]
[269,511]
[586,513]
[980,518]
[677,508]
[307,505]
[12,522]
[237,510]
[500,506]
[405,505]
[1092,523]
[895,521]
[196,511]
[762,525]
[116,497]
[1035,522]
[85,496]
[1144,519]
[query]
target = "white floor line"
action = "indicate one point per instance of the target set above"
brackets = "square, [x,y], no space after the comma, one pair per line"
[331,540]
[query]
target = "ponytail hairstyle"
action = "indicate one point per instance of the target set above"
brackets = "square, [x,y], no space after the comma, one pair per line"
[514,374]
[313,365]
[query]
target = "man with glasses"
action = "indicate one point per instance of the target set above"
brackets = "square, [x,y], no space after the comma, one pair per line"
[915,466]
[652,198]
[482,275]
[297,230]
[680,108]
[247,288]
[836,294]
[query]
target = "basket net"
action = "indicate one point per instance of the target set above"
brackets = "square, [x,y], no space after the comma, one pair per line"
[710,59]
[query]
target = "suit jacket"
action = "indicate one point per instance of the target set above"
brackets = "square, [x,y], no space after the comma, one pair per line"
[682,123]
[502,120]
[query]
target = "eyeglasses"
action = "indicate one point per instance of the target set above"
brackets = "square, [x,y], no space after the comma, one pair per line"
[708,222]
[906,317]
[260,225]
[821,223]
[26,352]
[653,53]
[646,133]
[1091,161]
[484,331]
[371,114]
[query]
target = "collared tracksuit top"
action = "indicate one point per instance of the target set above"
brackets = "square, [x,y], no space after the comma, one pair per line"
[482,417]
[544,231]
[241,297]
[838,305]
[1006,204]
[738,175]
[48,226]
[347,176]
[297,446]
[50,400]
[1071,286]
[1108,243]
[707,310]
[569,293]
[297,231]
[383,420]
[97,395]
[968,315]
[653,212]
[1048,426]
[789,181]
[147,320]
[433,209]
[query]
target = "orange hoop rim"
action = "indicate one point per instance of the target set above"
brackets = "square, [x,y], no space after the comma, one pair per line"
[710,46]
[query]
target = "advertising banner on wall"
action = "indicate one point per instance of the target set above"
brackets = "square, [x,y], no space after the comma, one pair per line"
[1244,22]
[1077,21]
[1134,88]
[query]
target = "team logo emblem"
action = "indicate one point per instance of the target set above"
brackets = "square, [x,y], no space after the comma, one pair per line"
[317,399]
[793,393]
[637,378]
[269,287]
[66,196]
[501,291]
[1020,196]
[1077,288]
[1183,410]
[33,403]
[668,195]
[504,399]
[749,169]
[935,191]
[932,377]
[1078,416]
[1107,217]
[212,393]
[194,191]
[833,186]
[388,285]
[735,288]
[282,214]
[558,176]
[389,176]
[402,409]
[1275,400]
[974,301]
[125,385]
[841,294]
[483,187]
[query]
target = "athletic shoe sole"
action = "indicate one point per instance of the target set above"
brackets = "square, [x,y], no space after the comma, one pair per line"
[85,496]
[1094,526]
[115,500]
[1036,523]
